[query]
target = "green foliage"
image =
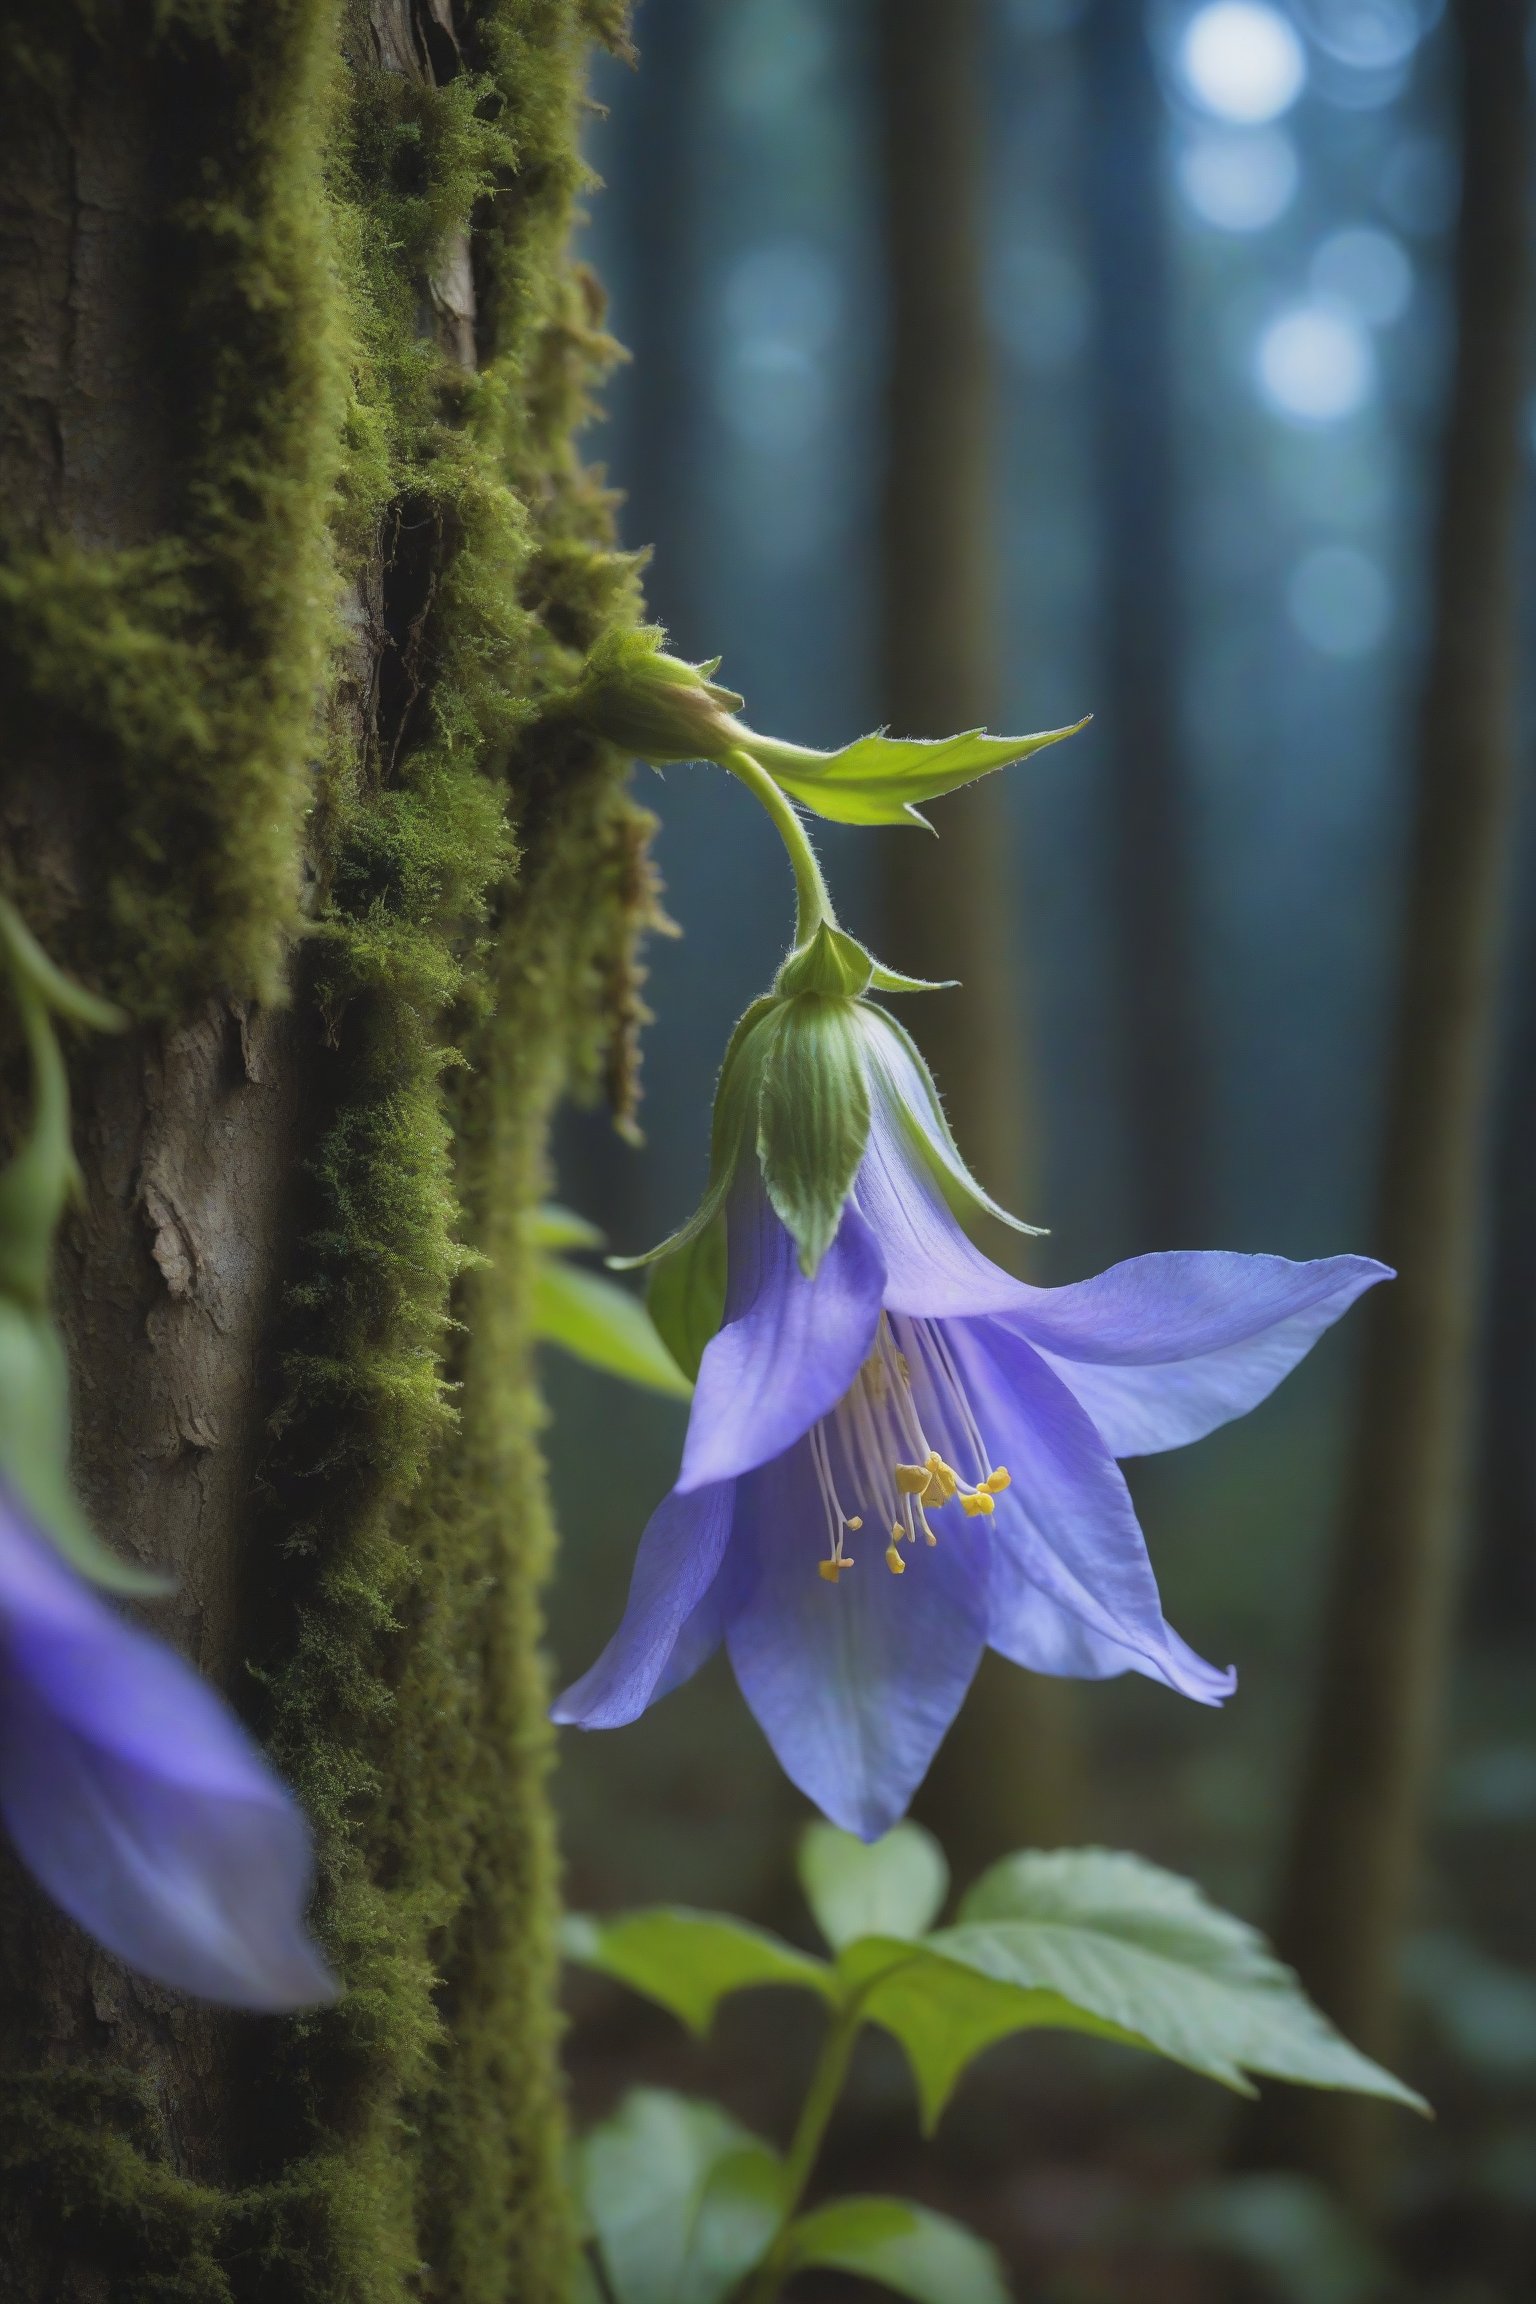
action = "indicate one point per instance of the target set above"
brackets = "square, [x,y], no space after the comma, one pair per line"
[592,1318]
[689,1961]
[880,779]
[812,1118]
[913,2250]
[683,2201]
[890,1887]
[686,1296]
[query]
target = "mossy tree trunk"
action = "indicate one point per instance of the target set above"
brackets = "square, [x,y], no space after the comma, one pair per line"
[949,907]
[296,552]
[1356,1849]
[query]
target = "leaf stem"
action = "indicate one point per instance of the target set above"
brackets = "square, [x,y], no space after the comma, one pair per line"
[811,893]
[820,2102]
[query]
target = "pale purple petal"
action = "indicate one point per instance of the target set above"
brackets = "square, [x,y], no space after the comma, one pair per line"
[1034,1630]
[790,1346]
[1163,1349]
[676,1566]
[932,1269]
[854,1684]
[1066,1528]
[137,1799]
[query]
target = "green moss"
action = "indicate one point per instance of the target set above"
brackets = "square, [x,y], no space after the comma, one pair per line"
[479,880]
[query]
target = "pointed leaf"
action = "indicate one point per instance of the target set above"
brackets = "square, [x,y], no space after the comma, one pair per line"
[884,979]
[683,2200]
[688,1961]
[880,779]
[686,1296]
[813,1120]
[603,1324]
[913,2250]
[892,1887]
[555,1229]
[1140,1948]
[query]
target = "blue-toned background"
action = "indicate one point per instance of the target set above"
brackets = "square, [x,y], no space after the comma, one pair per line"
[1308,183]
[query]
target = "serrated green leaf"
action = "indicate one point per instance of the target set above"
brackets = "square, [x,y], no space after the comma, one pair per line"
[944,2014]
[912,2250]
[881,779]
[556,1229]
[686,1296]
[813,1119]
[603,1324]
[734,1126]
[1142,1949]
[689,1961]
[684,2200]
[891,1887]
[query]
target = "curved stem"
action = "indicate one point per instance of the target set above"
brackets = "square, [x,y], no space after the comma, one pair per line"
[813,899]
[820,2102]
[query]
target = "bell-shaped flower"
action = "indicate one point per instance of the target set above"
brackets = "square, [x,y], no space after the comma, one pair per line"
[138,1801]
[903,1455]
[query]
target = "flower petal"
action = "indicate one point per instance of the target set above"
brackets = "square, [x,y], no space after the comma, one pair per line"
[675,1568]
[1163,1349]
[931,1267]
[790,1347]
[1036,1631]
[1066,1528]
[854,1684]
[138,1800]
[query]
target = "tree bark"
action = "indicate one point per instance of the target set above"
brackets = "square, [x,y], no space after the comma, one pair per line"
[1007,1773]
[1356,1847]
[295,550]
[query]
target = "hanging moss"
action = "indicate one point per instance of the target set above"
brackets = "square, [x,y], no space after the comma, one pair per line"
[476,881]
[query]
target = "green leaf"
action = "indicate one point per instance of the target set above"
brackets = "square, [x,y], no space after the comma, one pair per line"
[891,1887]
[686,1296]
[603,1324]
[913,2250]
[555,1229]
[683,2200]
[880,779]
[737,1099]
[813,1120]
[1139,1948]
[944,2014]
[688,1961]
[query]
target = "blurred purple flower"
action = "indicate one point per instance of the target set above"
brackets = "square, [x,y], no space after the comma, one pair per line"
[911,1457]
[138,1801]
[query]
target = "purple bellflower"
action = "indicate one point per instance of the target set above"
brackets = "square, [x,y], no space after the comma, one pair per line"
[909,1457]
[137,1800]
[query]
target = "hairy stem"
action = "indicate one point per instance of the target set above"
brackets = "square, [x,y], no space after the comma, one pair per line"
[813,901]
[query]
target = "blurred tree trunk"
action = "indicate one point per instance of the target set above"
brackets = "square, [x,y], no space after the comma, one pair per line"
[948,905]
[1356,1849]
[294,548]
[1151,888]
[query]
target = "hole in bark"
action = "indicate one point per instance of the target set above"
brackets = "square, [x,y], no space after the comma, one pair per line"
[413,537]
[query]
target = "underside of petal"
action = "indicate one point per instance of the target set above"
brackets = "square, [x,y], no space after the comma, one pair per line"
[675,1573]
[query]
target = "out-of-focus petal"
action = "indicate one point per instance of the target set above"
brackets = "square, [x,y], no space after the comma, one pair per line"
[1066,1528]
[1163,1349]
[675,1568]
[138,1800]
[790,1347]
[854,1684]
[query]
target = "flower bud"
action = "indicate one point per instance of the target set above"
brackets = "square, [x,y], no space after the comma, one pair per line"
[634,695]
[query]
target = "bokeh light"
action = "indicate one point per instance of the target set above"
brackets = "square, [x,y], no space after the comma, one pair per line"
[781,307]
[1366,270]
[1242,61]
[1239,180]
[1369,35]
[1315,365]
[1339,601]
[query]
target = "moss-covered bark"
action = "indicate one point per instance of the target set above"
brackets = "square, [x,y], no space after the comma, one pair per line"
[296,549]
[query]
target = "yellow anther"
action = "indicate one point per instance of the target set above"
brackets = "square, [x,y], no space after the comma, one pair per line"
[999,1480]
[912,1479]
[857,1522]
[978,1501]
[894,1561]
[830,1570]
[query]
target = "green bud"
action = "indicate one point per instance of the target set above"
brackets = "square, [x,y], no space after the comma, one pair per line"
[636,696]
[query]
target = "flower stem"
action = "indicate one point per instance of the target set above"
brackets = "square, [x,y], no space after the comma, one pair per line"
[820,2102]
[814,901]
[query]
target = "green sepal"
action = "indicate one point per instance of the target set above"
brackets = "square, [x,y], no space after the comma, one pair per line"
[682,2200]
[915,2251]
[688,1961]
[635,695]
[686,1296]
[891,980]
[832,963]
[34,1451]
[736,1102]
[936,1144]
[880,779]
[813,1119]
